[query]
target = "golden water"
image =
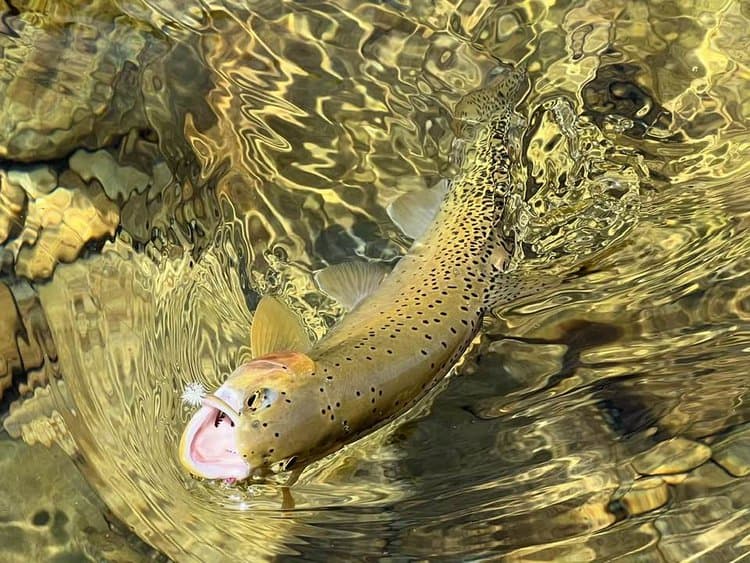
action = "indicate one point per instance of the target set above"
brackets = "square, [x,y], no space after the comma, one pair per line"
[289,127]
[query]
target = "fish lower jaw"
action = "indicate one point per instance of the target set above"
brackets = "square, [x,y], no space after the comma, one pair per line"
[225,470]
[208,448]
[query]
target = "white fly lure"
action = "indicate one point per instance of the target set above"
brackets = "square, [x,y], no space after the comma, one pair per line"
[193,394]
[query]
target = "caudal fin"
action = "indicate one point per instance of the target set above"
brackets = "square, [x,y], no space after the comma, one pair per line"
[505,88]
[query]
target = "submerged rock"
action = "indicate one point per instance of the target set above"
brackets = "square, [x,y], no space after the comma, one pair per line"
[67,82]
[45,220]
[12,204]
[26,345]
[37,420]
[118,181]
[36,181]
[645,495]
[43,522]
[672,456]
[733,451]
[58,226]
[675,478]
[50,513]
[10,324]
[35,341]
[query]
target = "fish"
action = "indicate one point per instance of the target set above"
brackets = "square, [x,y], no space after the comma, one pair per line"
[403,330]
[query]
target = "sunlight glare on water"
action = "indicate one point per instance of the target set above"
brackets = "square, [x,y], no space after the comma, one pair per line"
[288,127]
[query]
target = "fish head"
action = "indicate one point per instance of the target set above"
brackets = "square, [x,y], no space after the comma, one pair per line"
[236,432]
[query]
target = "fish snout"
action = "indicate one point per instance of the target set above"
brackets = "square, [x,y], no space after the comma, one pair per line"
[208,446]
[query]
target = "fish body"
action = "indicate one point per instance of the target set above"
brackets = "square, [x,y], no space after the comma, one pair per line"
[296,406]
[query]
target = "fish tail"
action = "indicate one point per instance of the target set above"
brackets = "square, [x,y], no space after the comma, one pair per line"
[504,88]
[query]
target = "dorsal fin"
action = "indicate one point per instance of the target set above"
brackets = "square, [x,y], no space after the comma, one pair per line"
[350,282]
[414,212]
[276,329]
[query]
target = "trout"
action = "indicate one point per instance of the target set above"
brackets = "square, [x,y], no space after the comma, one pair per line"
[296,402]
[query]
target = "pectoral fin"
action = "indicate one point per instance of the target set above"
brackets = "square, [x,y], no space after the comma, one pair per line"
[276,329]
[415,211]
[350,282]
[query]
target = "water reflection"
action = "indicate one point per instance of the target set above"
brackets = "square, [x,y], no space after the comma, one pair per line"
[285,131]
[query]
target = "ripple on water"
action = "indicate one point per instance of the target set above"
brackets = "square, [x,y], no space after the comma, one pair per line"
[286,150]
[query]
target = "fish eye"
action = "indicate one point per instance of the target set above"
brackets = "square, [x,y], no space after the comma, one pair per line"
[265,397]
[261,399]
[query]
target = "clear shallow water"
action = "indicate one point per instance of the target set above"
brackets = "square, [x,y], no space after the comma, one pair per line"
[287,129]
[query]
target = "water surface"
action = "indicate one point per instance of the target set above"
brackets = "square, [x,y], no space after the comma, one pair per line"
[270,137]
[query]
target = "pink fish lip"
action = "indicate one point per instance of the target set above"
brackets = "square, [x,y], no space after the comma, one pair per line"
[208,445]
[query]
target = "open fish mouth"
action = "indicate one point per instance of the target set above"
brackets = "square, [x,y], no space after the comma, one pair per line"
[208,445]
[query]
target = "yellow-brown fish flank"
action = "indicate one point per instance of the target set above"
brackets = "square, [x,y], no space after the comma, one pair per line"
[387,352]
[392,346]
